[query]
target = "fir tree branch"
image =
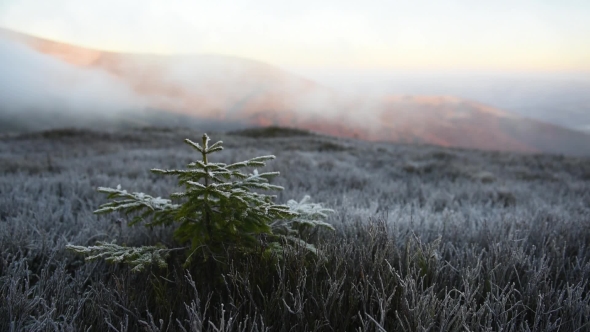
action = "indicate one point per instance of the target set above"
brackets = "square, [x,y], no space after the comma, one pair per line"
[137,257]
[133,202]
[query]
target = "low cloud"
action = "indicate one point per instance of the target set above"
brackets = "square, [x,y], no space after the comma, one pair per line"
[32,82]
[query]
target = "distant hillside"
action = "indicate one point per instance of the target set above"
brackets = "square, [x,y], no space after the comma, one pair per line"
[558,98]
[241,92]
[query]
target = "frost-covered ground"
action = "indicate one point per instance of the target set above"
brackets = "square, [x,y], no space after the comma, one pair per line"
[426,238]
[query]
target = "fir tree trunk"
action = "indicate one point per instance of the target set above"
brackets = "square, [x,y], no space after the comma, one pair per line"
[207,214]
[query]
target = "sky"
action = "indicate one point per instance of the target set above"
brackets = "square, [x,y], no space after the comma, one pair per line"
[305,35]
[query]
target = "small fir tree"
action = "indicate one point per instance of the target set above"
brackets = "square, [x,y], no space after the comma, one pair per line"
[221,208]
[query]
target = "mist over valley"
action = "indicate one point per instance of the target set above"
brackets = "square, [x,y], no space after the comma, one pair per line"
[49,85]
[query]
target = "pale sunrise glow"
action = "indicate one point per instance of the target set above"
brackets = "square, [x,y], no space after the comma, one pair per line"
[490,35]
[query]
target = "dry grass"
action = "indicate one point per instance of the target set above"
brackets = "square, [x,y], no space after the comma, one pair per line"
[434,247]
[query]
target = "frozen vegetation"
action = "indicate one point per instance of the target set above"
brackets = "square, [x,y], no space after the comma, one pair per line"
[426,238]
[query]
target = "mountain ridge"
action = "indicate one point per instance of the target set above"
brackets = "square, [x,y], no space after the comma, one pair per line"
[238,90]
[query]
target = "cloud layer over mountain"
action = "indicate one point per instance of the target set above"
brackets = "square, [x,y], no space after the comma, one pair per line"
[83,86]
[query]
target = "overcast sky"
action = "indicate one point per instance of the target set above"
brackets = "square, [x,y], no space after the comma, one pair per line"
[339,34]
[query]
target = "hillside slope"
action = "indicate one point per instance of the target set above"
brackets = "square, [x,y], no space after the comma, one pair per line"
[224,89]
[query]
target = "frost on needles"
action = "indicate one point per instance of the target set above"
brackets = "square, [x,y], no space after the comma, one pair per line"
[221,208]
